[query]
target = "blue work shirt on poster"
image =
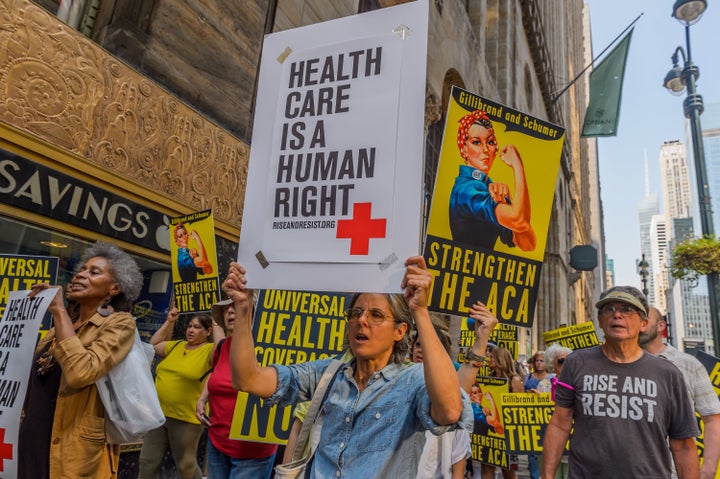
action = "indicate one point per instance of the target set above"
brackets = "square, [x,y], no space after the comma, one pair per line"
[472,211]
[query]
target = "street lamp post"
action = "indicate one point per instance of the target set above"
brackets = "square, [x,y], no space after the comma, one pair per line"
[688,12]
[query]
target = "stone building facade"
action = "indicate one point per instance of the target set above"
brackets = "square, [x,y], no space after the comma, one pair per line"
[155,98]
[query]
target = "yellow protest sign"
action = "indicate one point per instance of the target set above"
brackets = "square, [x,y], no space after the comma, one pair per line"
[488,437]
[526,416]
[194,262]
[491,208]
[289,327]
[577,336]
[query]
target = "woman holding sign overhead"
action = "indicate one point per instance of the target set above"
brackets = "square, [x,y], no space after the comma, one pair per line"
[482,211]
[376,410]
[228,458]
[62,433]
[179,381]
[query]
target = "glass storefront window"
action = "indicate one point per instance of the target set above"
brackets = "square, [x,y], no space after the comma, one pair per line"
[26,239]
[18,238]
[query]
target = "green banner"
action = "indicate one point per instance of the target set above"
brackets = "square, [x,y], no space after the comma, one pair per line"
[606,80]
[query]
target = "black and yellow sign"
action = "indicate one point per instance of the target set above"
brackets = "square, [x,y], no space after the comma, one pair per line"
[488,437]
[19,273]
[289,327]
[194,262]
[577,336]
[712,366]
[525,417]
[491,208]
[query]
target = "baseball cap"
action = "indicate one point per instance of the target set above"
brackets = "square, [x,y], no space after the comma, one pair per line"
[624,294]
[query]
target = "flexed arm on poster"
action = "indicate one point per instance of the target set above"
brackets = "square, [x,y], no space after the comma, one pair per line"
[516,214]
[199,255]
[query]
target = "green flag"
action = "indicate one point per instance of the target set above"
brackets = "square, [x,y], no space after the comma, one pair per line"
[601,117]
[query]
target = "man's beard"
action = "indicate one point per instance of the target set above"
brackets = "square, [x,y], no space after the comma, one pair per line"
[647,337]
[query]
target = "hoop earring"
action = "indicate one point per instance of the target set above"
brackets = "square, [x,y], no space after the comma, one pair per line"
[105,309]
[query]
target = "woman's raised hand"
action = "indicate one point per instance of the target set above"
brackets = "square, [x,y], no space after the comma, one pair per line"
[58,302]
[485,321]
[416,283]
[235,285]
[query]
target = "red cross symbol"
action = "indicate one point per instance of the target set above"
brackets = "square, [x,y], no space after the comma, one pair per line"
[5,450]
[361,228]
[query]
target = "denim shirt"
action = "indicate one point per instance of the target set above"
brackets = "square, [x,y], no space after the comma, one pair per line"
[376,433]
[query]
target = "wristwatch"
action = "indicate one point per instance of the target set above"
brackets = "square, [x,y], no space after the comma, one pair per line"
[474,359]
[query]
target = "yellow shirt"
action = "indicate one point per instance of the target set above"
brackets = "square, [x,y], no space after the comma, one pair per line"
[178,379]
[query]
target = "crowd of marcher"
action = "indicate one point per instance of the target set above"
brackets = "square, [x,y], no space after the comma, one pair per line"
[398,405]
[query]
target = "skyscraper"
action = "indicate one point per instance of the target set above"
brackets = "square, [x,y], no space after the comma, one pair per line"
[659,265]
[675,179]
[647,208]
[688,308]
[711,141]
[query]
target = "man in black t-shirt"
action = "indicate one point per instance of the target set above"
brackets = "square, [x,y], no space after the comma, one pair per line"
[622,404]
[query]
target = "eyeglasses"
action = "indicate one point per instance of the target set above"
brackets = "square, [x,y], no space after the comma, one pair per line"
[624,310]
[375,316]
[561,361]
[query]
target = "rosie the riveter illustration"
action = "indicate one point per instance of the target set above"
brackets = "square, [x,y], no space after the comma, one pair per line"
[191,261]
[480,210]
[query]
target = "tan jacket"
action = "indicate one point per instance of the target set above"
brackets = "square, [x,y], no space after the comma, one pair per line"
[78,447]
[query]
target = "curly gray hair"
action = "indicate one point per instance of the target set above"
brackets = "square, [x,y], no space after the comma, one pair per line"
[553,350]
[401,311]
[125,272]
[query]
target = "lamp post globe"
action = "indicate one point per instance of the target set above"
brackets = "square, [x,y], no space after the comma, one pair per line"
[689,12]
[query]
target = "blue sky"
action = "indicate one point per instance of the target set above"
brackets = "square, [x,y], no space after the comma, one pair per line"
[649,114]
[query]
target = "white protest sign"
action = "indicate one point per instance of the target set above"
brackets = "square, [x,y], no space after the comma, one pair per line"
[19,327]
[334,191]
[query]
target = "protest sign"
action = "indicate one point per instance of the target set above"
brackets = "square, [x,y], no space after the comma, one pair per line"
[576,336]
[19,327]
[491,208]
[488,437]
[525,417]
[326,193]
[194,262]
[289,327]
[712,366]
[20,272]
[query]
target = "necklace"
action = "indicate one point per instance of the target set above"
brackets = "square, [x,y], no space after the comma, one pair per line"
[46,362]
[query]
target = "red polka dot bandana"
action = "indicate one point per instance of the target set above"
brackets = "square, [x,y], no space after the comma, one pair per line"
[465,124]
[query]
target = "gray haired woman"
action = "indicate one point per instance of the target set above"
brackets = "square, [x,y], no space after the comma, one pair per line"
[555,356]
[63,430]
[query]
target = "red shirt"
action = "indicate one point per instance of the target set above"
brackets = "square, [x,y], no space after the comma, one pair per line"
[222,407]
